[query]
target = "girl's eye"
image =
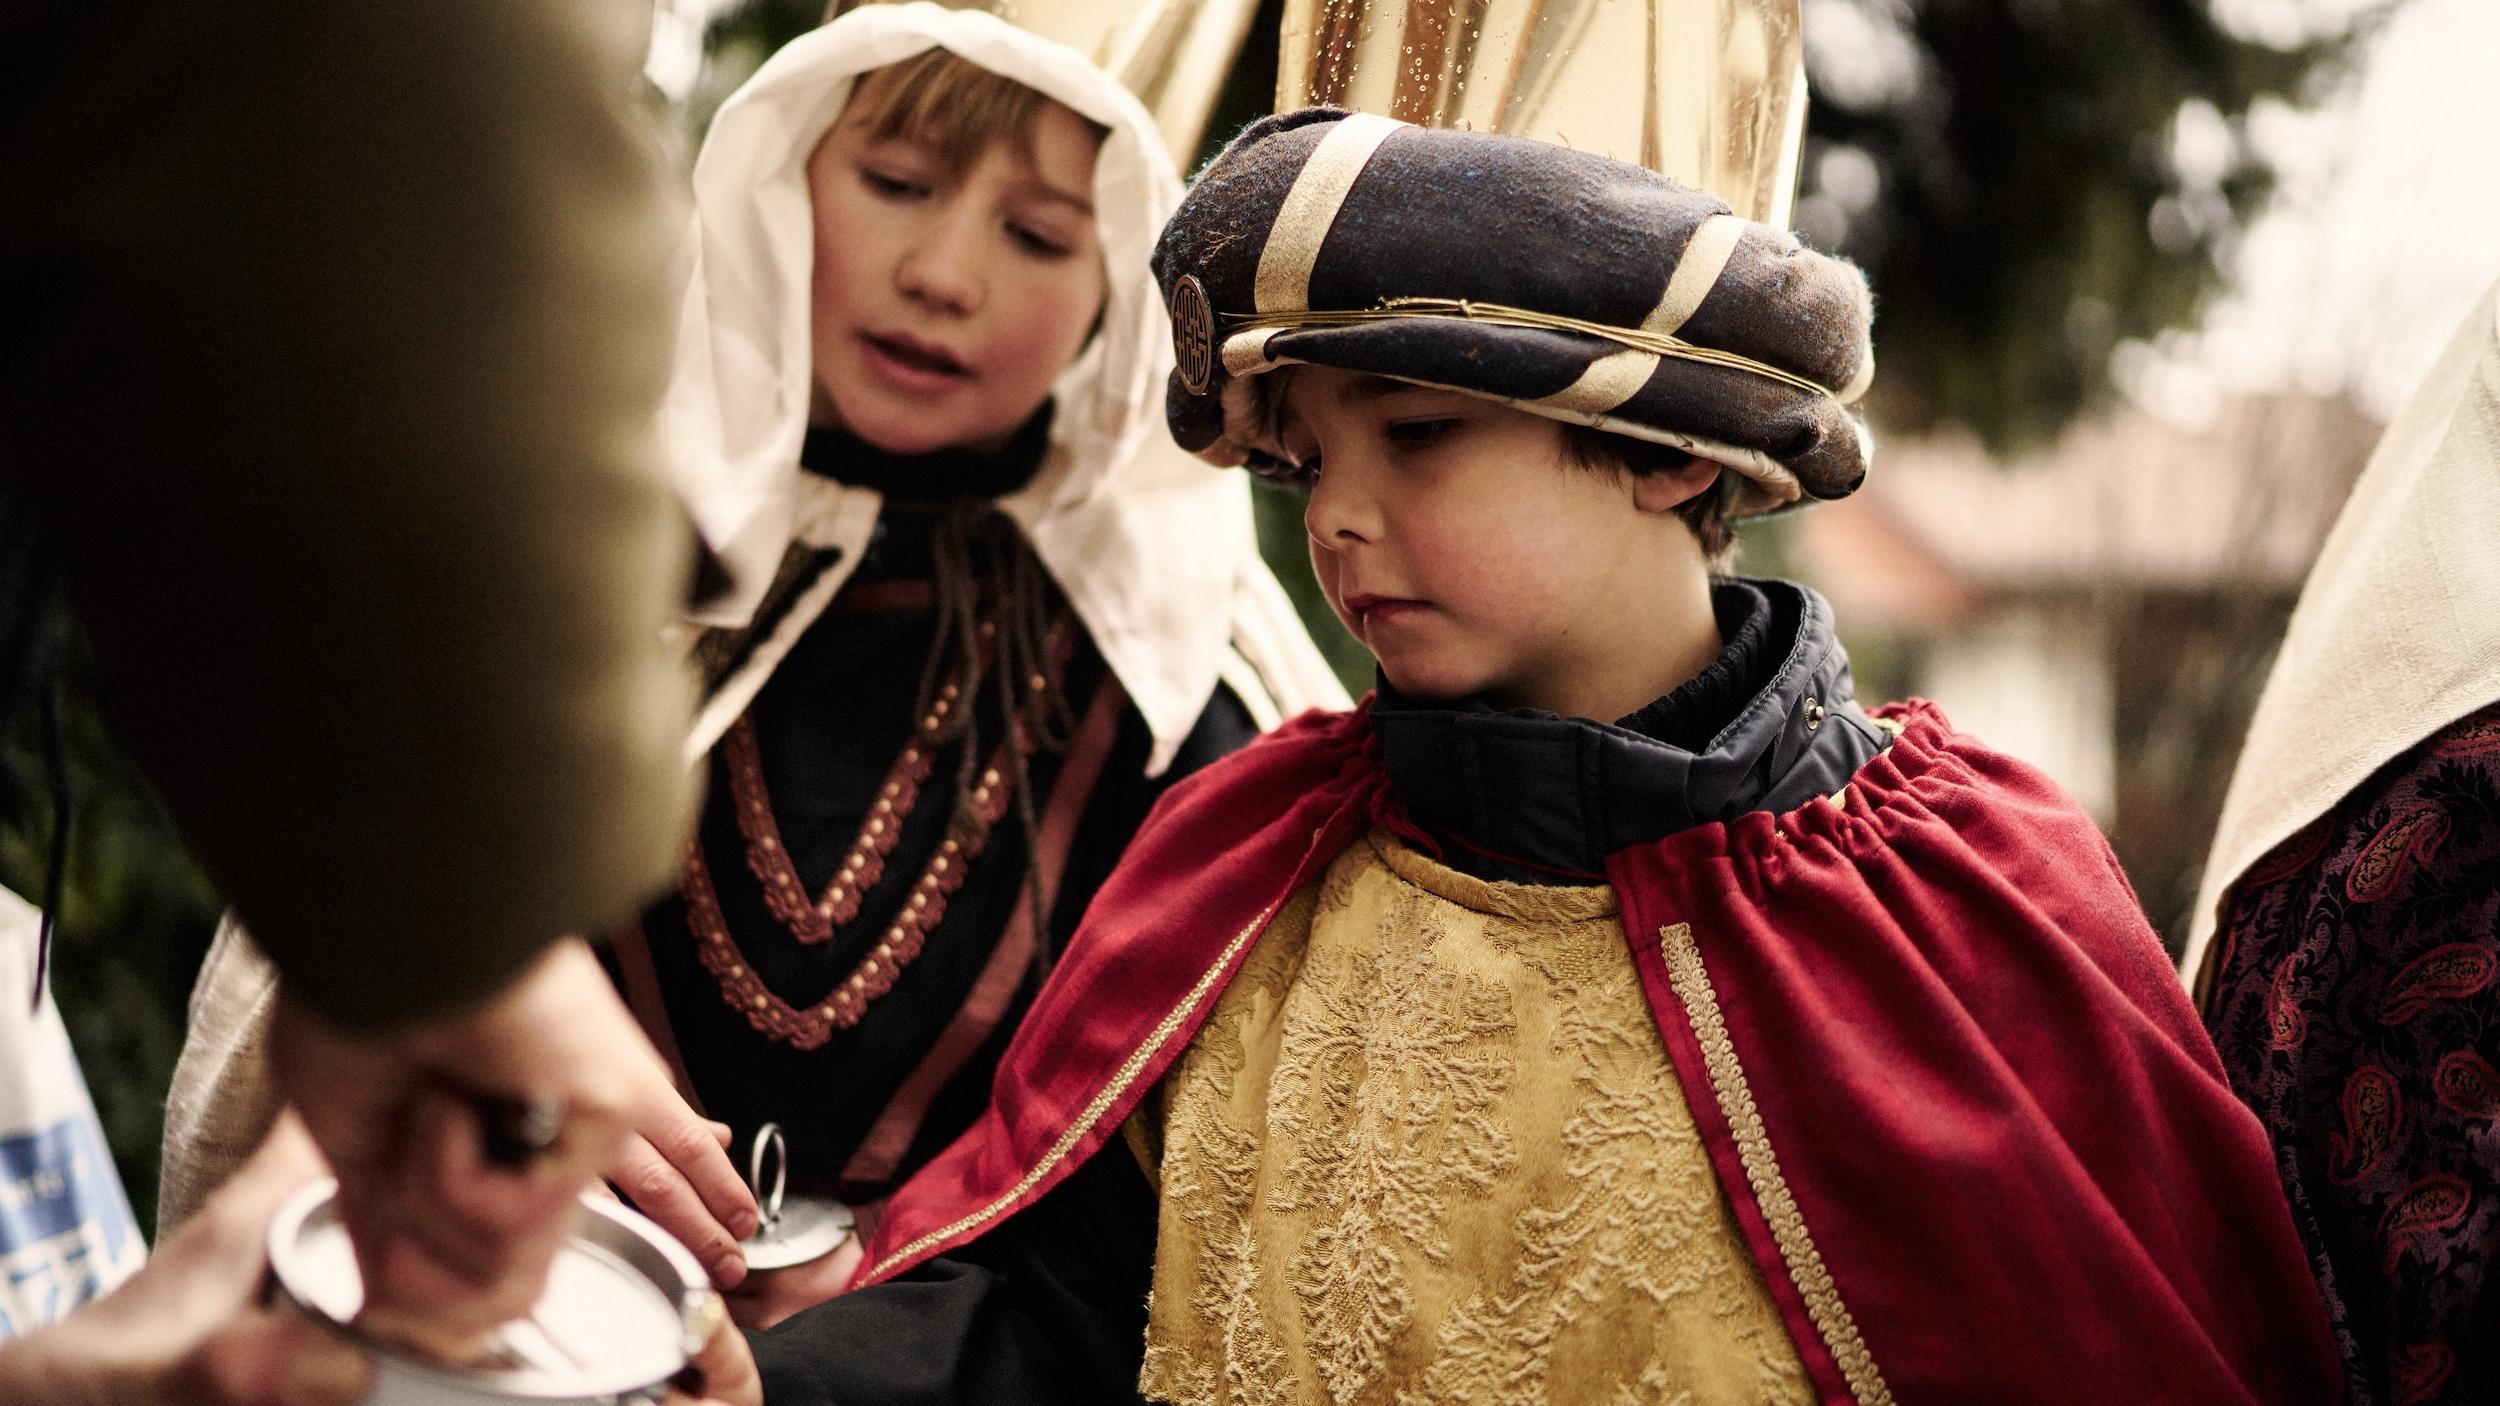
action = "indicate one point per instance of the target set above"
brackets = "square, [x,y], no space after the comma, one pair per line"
[1412,434]
[1038,244]
[890,187]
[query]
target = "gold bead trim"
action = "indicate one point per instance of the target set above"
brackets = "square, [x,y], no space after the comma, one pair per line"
[785,897]
[808,1027]
[977,812]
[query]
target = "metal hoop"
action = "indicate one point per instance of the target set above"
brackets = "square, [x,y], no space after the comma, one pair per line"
[768,1137]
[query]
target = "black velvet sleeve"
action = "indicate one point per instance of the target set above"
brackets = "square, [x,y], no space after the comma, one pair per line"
[1047,1308]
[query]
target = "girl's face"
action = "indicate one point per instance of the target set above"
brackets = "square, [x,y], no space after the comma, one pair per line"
[947,302]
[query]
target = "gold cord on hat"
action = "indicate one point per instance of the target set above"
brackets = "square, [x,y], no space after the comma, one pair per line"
[1503,315]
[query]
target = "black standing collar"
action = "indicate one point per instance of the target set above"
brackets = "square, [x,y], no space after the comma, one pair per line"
[936,476]
[917,488]
[1528,796]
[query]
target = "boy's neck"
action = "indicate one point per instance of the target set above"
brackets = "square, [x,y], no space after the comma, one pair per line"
[1651,648]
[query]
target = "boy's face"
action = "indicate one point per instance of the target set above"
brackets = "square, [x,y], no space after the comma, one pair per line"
[1457,542]
[946,303]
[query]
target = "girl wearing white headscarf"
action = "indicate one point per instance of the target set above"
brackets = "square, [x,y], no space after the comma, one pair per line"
[946,683]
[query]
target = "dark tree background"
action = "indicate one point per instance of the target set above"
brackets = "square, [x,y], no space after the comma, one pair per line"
[2008,171]
[2010,174]
[135,915]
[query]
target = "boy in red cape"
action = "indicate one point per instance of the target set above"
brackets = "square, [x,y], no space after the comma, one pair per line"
[1468,1047]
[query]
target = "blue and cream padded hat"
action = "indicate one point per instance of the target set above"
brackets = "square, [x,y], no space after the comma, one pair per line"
[1567,284]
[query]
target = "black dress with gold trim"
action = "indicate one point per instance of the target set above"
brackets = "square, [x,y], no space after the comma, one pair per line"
[851,941]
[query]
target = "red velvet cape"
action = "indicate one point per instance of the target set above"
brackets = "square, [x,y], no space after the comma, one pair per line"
[1972,1130]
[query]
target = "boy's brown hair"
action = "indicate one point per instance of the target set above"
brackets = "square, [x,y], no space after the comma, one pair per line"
[1705,513]
[950,105]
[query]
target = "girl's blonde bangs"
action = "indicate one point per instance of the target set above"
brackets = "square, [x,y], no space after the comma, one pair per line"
[950,105]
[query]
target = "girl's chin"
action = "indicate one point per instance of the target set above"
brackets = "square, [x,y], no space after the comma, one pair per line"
[913,429]
[908,437]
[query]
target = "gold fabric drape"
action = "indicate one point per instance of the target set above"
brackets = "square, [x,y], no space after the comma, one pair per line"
[1710,93]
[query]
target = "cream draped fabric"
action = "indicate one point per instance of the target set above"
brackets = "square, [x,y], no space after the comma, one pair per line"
[221,1103]
[2398,631]
[1428,1148]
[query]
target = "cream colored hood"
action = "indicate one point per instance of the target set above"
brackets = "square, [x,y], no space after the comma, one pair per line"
[2398,631]
[1155,551]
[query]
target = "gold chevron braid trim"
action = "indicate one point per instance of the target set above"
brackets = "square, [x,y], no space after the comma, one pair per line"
[1501,315]
[1839,1331]
[1130,1068]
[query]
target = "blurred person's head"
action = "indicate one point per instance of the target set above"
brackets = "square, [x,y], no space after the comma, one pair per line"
[958,270]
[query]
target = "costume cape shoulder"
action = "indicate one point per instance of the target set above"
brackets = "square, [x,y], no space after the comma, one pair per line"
[1969,1124]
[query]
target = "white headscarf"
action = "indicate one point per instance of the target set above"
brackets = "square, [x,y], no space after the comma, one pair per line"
[2398,630]
[1155,551]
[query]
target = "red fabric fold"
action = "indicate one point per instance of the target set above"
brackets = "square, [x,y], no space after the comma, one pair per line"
[2008,1135]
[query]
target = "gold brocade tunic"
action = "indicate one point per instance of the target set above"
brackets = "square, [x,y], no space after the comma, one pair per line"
[1428,1148]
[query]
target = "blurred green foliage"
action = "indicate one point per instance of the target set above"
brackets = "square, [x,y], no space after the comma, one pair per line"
[2029,182]
[134,921]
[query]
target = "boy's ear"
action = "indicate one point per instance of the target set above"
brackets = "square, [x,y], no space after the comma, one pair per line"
[1665,490]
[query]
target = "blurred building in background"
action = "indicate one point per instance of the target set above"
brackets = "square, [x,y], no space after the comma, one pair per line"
[2104,608]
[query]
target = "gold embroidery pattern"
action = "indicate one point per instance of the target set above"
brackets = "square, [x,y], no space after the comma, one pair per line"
[1691,980]
[1409,1061]
[1678,1241]
[1210,1175]
[1427,1150]
[1121,1081]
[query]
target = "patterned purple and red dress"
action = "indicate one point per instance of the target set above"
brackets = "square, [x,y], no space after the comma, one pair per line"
[2356,1004]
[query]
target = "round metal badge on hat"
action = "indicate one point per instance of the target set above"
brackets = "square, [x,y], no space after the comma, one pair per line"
[1193,334]
[793,1229]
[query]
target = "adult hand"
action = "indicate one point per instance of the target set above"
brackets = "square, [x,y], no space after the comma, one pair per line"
[674,1167]
[451,1239]
[770,1295]
[183,1331]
